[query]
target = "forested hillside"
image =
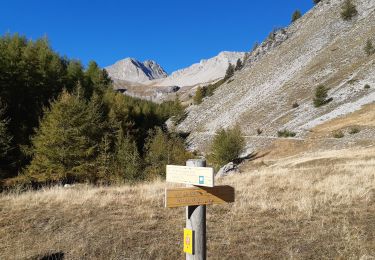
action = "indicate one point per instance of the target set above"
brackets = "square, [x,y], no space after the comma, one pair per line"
[62,122]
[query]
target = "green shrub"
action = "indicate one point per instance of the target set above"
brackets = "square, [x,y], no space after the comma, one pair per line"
[296,15]
[348,10]
[338,134]
[259,131]
[199,95]
[317,1]
[367,86]
[369,48]
[295,105]
[354,130]
[226,146]
[321,94]
[286,133]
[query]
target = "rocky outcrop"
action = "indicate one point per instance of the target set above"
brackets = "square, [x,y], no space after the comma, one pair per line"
[274,39]
[135,71]
[227,169]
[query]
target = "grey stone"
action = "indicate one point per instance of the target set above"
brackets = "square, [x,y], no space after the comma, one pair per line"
[227,169]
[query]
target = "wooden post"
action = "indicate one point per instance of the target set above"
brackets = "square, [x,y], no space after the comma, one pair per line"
[196,220]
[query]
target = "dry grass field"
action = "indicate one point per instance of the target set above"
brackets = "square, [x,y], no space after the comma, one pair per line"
[317,205]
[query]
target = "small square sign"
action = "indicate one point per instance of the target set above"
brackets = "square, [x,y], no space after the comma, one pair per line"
[188,241]
[201,179]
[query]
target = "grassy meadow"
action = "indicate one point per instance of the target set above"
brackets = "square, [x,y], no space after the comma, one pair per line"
[317,205]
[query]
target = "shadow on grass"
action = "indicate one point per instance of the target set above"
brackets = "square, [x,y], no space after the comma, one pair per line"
[52,256]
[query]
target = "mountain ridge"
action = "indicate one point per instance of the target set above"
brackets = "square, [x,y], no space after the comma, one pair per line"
[204,71]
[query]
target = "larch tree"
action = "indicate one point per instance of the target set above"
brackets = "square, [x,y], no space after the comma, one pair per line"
[162,149]
[5,141]
[230,71]
[128,162]
[226,146]
[65,146]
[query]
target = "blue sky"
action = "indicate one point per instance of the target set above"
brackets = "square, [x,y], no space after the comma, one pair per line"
[175,33]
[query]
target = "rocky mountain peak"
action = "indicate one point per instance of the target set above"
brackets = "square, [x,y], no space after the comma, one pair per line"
[132,70]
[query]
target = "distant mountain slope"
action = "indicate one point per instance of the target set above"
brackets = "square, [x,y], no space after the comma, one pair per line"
[319,48]
[152,74]
[203,72]
[131,70]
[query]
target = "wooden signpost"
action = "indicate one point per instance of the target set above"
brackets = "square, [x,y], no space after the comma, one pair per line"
[195,199]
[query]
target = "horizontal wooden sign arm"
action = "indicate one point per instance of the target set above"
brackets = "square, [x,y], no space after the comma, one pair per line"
[179,197]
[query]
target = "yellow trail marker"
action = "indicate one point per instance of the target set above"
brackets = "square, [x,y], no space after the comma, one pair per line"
[188,241]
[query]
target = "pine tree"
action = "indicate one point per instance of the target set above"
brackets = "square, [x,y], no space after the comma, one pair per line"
[230,71]
[369,48]
[296,15]
[239,65]
[66,144]
[198,97]
[127,159]
[5,137]
[348,10]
